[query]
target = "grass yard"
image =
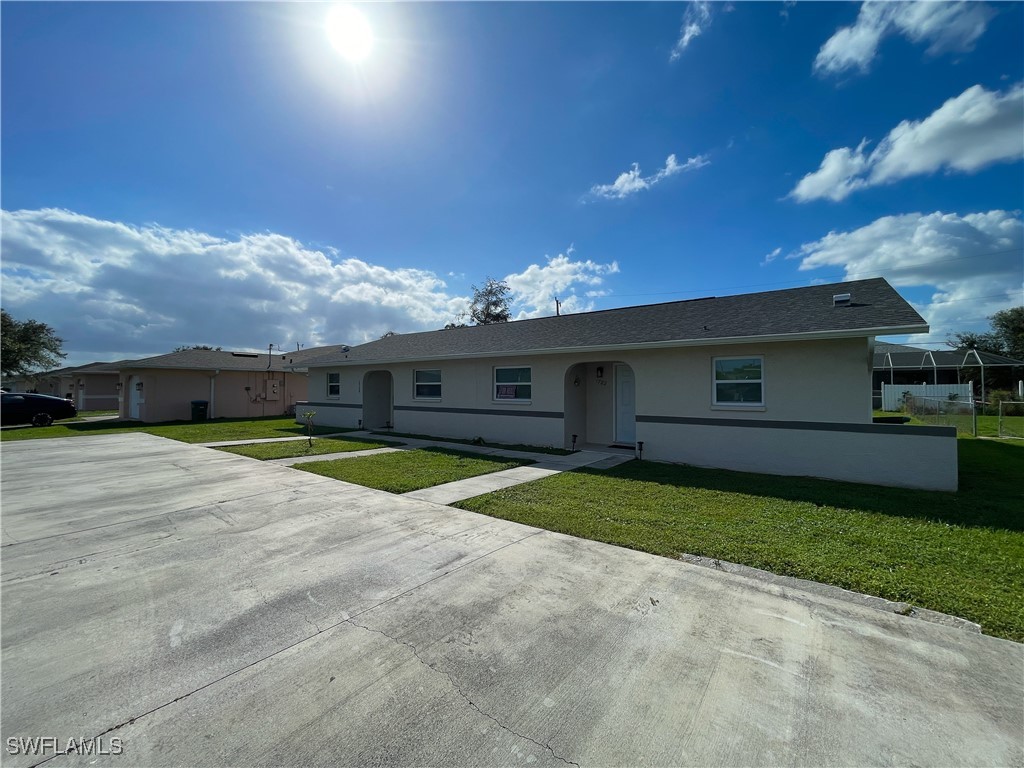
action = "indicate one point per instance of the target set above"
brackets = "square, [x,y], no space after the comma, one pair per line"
[505,446]
[988,426]
[404,471]
[293,448]
[959,553]
[185,431]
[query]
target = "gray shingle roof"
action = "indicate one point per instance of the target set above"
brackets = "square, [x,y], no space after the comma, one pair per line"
[209,359]
[876,308]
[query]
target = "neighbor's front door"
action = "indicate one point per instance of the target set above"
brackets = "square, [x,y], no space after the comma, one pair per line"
[134,397]
[625,405]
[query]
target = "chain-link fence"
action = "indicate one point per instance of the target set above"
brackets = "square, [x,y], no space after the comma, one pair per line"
[944,412]
[1011,418]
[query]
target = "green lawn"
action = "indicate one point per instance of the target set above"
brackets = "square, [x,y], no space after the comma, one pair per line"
[504,446]
[185,431]
[293,448]
[404,471]
[988,426]
[959,553]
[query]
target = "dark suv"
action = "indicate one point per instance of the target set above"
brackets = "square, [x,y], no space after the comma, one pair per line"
[37,410]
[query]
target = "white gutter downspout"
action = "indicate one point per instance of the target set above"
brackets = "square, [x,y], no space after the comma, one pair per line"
[213,392]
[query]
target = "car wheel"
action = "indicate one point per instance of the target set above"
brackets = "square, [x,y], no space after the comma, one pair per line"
[42,420]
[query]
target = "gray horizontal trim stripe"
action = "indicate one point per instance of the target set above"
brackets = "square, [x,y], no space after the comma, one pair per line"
[331,405]
[482,411]
[810,426]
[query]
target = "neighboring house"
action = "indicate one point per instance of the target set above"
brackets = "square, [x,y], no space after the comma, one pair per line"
[898,364]
[234,384]
[776,382]
[92,387]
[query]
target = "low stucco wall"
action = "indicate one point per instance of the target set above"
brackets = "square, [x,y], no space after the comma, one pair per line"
[876,454]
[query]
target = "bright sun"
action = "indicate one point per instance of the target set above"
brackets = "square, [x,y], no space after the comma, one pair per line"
[349,33]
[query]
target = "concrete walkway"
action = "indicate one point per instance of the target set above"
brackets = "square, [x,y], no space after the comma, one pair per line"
[206,609]
[546,464]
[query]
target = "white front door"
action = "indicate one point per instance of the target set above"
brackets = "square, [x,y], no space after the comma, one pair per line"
[134,397]
[625,405]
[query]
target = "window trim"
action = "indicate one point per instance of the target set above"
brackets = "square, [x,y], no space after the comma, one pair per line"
[731,404]
[415,384]
[495,384]
[337,394]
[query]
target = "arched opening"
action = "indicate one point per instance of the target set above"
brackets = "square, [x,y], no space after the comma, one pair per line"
[378,400]
[600,404]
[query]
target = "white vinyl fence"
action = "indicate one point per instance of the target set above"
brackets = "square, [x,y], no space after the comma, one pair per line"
[893,394]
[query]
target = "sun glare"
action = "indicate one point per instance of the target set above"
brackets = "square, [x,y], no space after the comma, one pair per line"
[349,32]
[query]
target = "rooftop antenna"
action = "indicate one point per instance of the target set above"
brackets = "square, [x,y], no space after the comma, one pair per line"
[270,354]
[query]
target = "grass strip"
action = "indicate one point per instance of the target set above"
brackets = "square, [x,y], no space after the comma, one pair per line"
[293,448]
[961,553]
[404,471]
[184,431]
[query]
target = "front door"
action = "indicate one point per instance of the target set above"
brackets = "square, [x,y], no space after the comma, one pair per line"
[625,405]
[134,397]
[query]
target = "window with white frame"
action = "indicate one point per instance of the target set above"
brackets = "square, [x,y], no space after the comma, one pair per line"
[427,384]
[738,380]
[334,385]
[513,383]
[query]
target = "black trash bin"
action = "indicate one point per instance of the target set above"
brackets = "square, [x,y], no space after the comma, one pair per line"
[199,409]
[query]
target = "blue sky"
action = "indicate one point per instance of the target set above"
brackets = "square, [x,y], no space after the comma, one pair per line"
[178,173]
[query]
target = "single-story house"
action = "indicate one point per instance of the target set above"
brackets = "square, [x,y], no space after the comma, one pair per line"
[234,384]
[776,382]
[92,387]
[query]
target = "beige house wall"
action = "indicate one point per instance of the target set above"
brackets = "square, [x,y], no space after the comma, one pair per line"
[167,394]
[824,385]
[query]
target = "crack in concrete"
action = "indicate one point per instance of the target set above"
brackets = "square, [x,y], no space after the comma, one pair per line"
[348,620]
[458,689]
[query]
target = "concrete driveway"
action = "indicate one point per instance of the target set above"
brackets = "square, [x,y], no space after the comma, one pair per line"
[186,606]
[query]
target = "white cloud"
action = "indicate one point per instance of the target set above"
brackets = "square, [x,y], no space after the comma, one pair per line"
[113,290]
[696,19]
[630,182]
[967,133]
[535,288]
[769,258]
[945,26]
[973,263]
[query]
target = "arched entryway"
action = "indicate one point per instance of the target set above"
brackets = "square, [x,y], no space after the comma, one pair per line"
[600,404]
[378,400]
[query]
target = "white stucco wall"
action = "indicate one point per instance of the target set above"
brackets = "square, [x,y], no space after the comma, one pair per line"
[816,383]
[910,457]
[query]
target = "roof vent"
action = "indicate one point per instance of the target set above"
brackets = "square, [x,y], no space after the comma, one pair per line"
[244,354]
[841,300]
